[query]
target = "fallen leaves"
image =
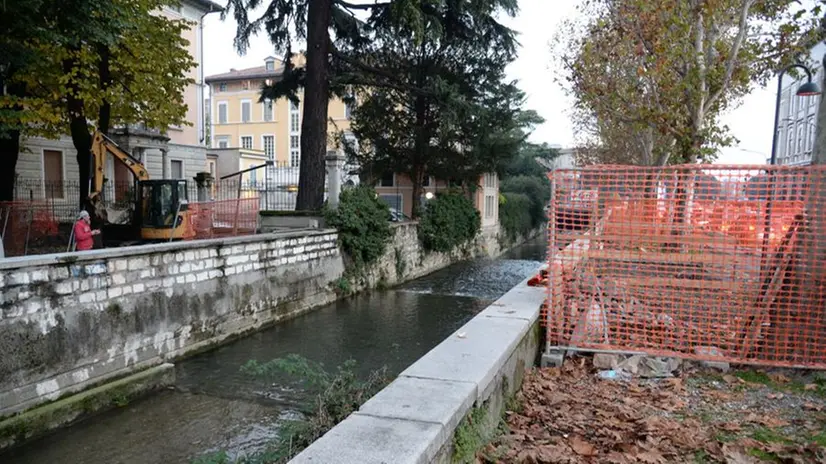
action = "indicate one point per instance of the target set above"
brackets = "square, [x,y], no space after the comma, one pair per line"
[569,415]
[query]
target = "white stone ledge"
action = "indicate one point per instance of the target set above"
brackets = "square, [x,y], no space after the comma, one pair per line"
[18,262]
[413,418]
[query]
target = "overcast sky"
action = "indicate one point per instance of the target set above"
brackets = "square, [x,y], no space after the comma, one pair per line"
[536,23]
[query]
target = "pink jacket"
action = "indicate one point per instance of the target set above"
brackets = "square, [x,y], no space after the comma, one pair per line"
[83,236]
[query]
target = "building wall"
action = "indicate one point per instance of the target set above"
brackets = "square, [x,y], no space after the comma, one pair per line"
[249,90]
[194,94]
[402,190]
[798,116]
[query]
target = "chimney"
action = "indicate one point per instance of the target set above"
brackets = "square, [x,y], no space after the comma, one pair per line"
[232,70]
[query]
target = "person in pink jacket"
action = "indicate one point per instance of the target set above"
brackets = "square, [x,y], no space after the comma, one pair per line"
[83,232]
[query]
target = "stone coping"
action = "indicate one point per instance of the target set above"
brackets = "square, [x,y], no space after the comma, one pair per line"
[414,417]
[121,252]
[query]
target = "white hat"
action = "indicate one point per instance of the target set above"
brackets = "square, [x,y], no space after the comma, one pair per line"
[83,214]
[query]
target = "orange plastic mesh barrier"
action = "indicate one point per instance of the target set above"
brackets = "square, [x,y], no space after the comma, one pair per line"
[29,227]
[718,263]
[225,217]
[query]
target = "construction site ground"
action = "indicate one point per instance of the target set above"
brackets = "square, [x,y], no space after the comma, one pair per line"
[697,415]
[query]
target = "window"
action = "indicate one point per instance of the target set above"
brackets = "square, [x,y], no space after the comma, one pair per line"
[176,8]
[253,175]
[268,141]
[245,111]
[267,110]
[790,141]
[490,180]
[801,138]
[222,87]
[222,112]
[211,165]
[295,151]
[246,142]
[490,206]
[387,180]
[245,85]
[176,169]
[222,141]
[426,182]
[295,123]
[810,133]
[392,200]
[53,173]
[270,65]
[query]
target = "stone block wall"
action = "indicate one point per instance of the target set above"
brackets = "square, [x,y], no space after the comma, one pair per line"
[71,321]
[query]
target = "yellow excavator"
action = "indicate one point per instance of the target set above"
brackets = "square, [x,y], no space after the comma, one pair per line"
[161,210]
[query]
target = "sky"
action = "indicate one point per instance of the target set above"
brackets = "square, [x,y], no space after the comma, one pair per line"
[751,122]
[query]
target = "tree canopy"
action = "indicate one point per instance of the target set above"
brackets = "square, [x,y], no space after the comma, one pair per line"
[652,78]
[393,47]
[99,63]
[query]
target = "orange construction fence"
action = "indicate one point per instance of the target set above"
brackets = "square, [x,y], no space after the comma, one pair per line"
[718,263]
[27,226]
[224,218]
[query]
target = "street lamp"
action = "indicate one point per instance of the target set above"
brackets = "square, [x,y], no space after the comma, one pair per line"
[808,89]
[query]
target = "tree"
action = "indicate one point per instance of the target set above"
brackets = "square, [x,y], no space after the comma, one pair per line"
[440,106]
[665,71]
[336,34]
[106,63]
[20,23]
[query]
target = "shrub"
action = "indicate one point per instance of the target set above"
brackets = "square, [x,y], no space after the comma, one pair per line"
[363,224]
[449,220]
[536,189]
[514,214]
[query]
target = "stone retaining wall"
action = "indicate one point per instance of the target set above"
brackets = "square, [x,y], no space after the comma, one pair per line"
[70,321]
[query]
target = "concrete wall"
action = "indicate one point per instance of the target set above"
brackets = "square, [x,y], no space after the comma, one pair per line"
[474,371]
[70,321]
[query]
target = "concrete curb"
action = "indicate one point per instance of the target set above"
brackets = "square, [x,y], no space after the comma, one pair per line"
[414,418]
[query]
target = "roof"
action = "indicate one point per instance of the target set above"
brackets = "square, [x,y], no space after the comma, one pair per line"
[258,72]
[207,5]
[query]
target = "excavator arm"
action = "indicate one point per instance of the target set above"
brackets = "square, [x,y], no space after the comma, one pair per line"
[101,145]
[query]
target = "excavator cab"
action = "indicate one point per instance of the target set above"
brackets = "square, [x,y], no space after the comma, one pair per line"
[164,210]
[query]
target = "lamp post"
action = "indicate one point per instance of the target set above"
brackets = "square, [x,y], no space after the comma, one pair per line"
[808,89]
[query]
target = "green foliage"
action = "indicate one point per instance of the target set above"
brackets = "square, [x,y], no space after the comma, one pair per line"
[135,75]
[449,221]
[536,189]
[514,214]
[338,394]
[363,225]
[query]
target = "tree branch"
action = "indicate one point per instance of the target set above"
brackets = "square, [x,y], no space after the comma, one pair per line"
[735,50]
[361,6]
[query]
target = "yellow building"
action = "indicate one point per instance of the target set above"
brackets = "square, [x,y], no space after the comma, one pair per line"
[239,120]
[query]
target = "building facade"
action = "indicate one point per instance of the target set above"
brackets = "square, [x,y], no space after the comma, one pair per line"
[798,116]
[239,120]
[47,168]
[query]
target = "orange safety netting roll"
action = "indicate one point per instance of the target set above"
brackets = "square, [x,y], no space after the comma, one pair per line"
[708,262]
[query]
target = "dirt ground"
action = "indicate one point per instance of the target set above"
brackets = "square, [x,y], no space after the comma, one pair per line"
[570,415]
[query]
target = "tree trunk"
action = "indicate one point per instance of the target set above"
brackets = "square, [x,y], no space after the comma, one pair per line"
[316,98]
[9,148]
[419,152]
[9,151]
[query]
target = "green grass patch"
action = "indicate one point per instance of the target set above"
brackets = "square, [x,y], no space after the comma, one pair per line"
[820,439]
[767,435]
[755,377]
[762,455]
